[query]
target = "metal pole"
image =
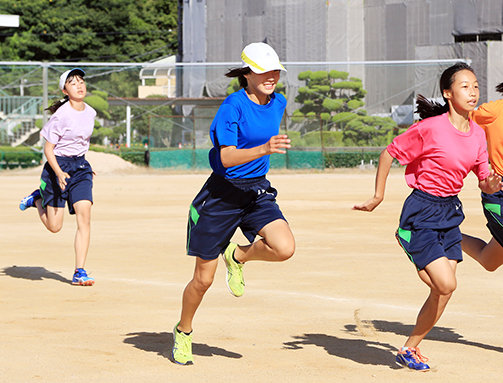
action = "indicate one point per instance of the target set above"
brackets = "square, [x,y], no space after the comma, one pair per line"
[128,126]
[45,104]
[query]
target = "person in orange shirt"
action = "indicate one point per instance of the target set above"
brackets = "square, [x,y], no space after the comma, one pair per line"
[489,116]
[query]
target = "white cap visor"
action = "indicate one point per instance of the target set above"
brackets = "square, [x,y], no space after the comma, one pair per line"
[64,76]
[260,58]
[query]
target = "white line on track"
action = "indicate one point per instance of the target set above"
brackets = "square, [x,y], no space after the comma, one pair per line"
[308,296]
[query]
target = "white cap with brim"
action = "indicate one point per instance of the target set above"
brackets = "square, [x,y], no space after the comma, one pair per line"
[260,58]
[64,76]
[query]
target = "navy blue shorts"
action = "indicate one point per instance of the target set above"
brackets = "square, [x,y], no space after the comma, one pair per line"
[493,210]
[222,206]
[78,187]
[429,228]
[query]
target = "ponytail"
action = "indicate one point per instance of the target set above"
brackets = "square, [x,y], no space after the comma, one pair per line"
[499,88]
[240,74]
[55,106]
[427,108]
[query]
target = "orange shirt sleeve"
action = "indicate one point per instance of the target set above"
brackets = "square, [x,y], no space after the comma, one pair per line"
[487,113]
[489,116]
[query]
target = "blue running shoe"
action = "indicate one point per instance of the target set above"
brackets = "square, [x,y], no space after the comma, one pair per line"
[412,358]
[80,278]
[29,201]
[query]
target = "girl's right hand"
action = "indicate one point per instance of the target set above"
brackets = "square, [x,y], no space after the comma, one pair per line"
[62,180]
[369,205]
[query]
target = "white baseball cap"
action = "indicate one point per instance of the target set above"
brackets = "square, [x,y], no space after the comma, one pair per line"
[260,58]
[64,76]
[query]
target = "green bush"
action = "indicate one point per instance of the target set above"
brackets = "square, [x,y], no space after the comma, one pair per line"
[19,156]
[338,74]
[350,159]
[133,155]
[332,138]
[304,75]
[319,76]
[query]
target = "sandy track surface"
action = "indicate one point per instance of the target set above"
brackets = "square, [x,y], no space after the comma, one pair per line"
[336,312]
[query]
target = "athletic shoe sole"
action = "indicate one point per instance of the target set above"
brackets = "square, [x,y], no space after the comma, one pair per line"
[83,283]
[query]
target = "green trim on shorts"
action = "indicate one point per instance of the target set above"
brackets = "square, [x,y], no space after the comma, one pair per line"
[408,235]
[493,208]
[43,185]
[405,234]
[194,215]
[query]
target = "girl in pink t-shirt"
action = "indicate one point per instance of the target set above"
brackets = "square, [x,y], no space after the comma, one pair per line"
[439,152]
[67,177]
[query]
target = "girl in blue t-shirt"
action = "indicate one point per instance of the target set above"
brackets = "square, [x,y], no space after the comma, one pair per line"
[237,194]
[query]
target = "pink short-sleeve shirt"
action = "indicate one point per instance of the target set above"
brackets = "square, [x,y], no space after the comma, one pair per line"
[439,157]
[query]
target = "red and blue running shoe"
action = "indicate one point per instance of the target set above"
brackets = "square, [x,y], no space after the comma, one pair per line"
[411,357]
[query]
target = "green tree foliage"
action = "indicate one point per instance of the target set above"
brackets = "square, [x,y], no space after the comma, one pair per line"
[98,101]
[89,30]
[333,101]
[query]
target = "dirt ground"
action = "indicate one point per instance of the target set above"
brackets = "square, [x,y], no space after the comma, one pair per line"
[336,312]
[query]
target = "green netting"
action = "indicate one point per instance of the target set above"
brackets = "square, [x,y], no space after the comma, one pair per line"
[180,159]
[198,159]
[298,160]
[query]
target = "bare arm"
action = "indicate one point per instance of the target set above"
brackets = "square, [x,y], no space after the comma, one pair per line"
[51,159]
[231,156]
[385,161]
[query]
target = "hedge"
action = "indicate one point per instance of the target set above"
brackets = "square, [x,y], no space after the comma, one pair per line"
[350,159]
[133,155]
[12,157]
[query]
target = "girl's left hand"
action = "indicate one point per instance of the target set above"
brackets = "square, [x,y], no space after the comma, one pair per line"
[494,183]
[277,144]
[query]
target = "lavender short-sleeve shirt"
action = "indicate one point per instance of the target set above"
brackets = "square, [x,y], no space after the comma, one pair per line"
[70,130]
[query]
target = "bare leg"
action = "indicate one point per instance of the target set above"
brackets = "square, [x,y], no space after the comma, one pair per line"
[277,244]
[489,255]
[193,294]
[83,234]
[51,217]
[440,276]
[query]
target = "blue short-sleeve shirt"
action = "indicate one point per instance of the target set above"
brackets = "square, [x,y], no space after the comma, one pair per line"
[244,124]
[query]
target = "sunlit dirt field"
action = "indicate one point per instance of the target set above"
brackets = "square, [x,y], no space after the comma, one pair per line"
[336,312]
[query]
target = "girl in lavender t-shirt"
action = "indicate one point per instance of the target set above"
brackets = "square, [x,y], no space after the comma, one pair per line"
[439,152]
[67,177]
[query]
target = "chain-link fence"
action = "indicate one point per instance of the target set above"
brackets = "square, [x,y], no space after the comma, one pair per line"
[168,107]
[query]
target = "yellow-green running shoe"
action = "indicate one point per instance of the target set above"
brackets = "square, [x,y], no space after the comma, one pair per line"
[182,347]
[235,281]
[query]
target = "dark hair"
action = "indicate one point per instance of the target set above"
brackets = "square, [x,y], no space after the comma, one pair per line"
[56,105]
[427,108]
[499,88]
[240,74]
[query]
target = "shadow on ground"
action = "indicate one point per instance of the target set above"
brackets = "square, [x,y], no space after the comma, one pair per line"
[33,273]
[358,350]
[365,351]
[162,343]
[440,334]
